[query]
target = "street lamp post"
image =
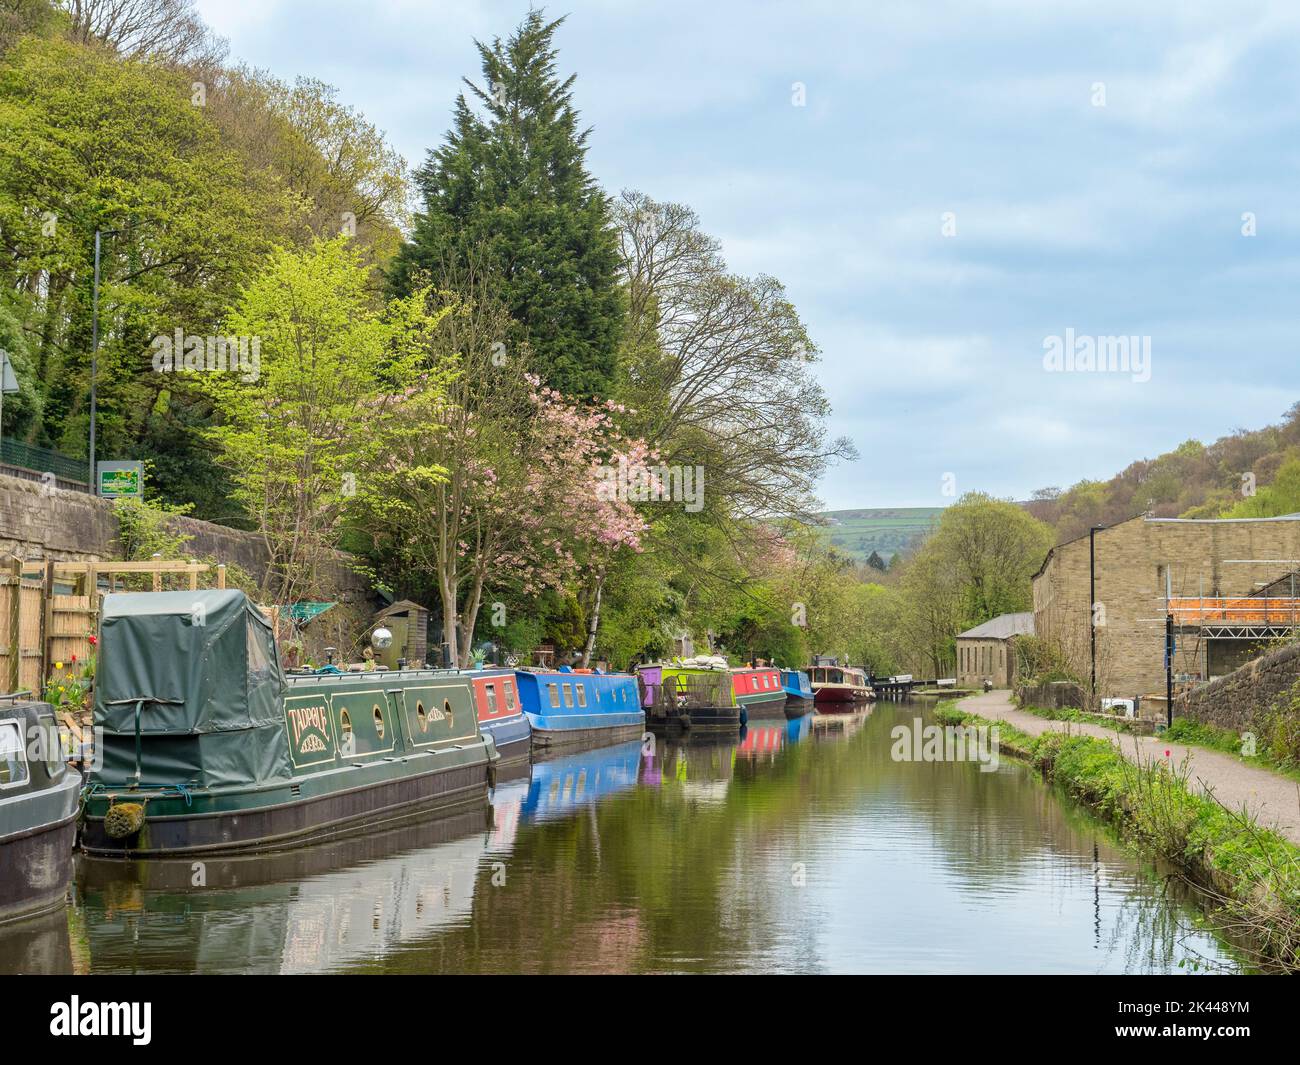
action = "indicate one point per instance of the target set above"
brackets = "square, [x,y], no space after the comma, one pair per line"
[94,351]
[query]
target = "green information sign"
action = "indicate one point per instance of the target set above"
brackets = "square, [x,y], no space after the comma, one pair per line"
[121,480]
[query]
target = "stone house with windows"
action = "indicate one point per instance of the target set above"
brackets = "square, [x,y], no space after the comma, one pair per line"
[987,652]
[1122,574]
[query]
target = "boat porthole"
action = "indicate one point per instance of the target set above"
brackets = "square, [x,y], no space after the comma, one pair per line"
[422,717]
[345,726]
[446,709]
[379,722]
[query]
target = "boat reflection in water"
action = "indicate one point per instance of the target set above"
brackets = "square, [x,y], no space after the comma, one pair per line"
[317,909]
[765,741]
[701,767]
[838,726]
[562,784]
[40,946]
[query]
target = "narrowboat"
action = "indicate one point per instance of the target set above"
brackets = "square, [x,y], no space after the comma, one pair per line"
[798,692]
[839,686]
[564,706]
[39,796]
[209,748]
[500,714]
[694,697]
[758,689]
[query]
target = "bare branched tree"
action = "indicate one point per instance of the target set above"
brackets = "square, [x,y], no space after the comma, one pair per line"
[730,362]
[167,30]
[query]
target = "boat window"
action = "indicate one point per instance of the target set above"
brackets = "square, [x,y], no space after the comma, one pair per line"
[582,694]
[568,694]
[491,698]
[379,722]
[13,759]
[422,716]
[446,709]
[347,746]
[510,695]
[261,658]
[555,696]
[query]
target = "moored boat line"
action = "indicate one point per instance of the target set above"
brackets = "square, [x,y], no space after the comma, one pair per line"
[208,747]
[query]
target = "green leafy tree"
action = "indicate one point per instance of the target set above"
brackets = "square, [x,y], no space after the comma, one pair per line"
[304,431]
[513,188]
[90,141]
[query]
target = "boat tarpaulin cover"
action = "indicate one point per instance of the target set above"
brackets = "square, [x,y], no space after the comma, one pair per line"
[205,664]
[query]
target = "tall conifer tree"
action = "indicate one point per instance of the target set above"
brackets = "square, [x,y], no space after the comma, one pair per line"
[510,191]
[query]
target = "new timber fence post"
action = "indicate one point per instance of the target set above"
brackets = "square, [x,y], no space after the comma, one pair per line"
[47,622]
[14,679]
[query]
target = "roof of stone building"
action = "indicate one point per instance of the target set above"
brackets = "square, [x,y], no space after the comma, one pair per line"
[1145,517]
[1001,627]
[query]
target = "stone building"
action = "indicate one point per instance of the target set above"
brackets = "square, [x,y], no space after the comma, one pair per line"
[988,651]
[1204,566]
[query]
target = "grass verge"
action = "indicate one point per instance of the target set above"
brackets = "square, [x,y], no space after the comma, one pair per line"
[1251,876]
[1184,730]
[1067,713]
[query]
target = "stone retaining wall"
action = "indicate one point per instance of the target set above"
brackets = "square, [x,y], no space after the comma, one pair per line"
[38,521]
[1239,700]
[1052,695]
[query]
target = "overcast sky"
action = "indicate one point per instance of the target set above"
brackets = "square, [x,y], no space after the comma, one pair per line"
[962,182]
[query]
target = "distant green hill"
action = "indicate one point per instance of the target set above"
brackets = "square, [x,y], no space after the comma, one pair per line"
[885,530]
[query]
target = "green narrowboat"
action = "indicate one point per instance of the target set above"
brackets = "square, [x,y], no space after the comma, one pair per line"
[208,747]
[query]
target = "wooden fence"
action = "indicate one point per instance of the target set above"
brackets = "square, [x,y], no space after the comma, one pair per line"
[49,610]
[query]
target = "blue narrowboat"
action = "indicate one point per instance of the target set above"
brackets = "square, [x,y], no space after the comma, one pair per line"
[798,692]
[564,706]
[500,714]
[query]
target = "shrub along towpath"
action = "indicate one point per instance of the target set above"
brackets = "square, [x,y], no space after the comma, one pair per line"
[1272,799]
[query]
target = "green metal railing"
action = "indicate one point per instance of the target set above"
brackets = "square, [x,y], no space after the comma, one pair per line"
[42,460]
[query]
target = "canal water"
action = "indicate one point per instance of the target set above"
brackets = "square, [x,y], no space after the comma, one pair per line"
[800,847]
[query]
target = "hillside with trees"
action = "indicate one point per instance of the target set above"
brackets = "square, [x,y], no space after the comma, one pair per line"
[1250,473]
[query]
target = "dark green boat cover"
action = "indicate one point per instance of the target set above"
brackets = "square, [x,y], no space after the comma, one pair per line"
[206,667]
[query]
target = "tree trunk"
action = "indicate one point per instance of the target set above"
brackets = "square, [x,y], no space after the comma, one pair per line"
[468,620]
[594,623]
[447,593]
